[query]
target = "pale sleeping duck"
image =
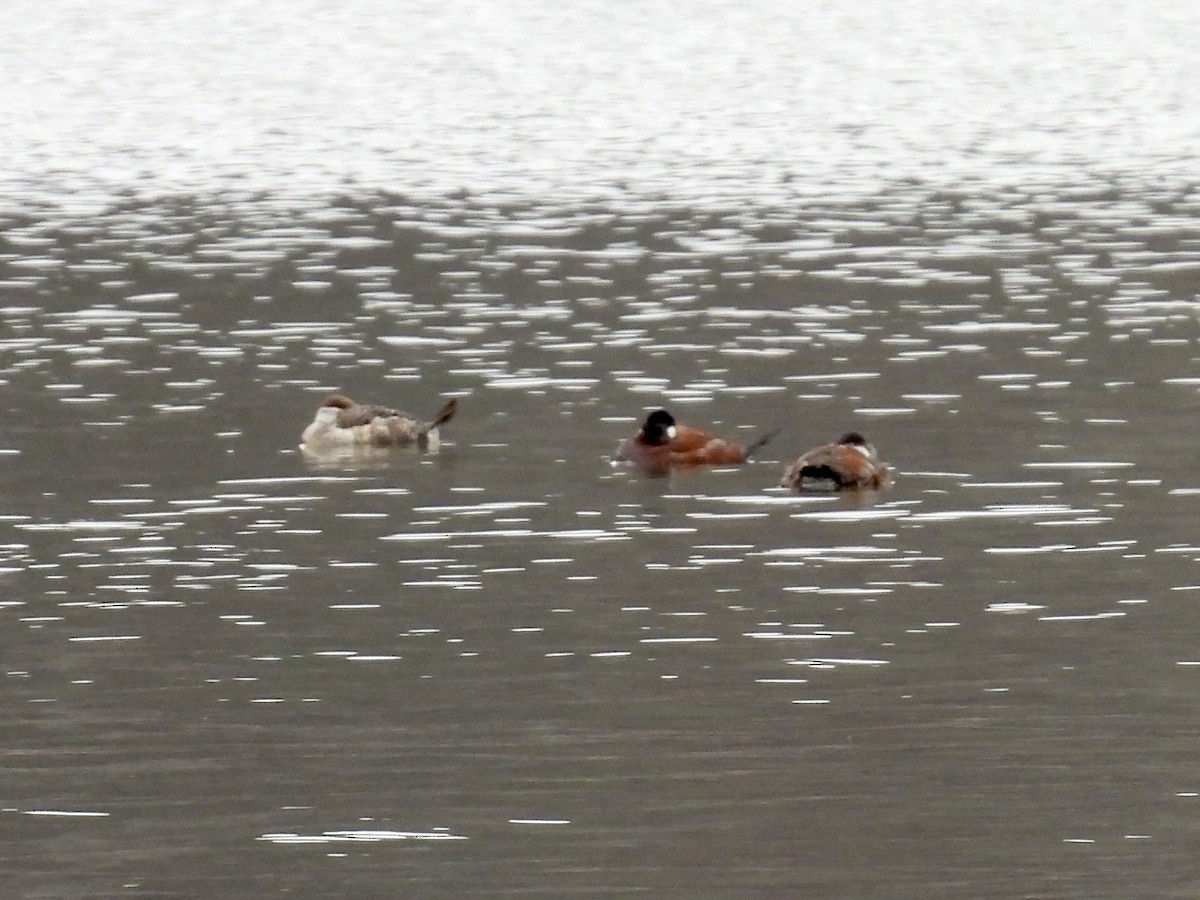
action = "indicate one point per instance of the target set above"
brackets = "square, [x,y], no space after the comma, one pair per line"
[849,464]
[342,424]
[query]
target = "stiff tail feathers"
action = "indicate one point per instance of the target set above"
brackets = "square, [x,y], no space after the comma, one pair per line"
[762,441]
[445,415]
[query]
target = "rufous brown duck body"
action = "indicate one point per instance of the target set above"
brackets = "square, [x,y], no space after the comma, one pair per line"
[663,444]
[850,463]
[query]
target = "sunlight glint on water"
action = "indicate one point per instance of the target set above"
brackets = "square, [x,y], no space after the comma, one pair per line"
[511,667]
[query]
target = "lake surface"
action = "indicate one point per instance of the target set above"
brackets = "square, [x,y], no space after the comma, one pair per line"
[511,668]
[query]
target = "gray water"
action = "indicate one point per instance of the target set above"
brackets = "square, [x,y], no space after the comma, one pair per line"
[511,668]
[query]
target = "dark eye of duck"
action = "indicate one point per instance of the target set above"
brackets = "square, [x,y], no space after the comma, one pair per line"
[658,427]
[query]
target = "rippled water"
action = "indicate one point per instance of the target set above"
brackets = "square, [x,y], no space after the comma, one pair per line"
[509,667]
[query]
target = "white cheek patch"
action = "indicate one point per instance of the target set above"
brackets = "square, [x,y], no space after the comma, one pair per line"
[863,449]
[671,432]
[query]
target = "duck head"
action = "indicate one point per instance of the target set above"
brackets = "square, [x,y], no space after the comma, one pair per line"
[659,428]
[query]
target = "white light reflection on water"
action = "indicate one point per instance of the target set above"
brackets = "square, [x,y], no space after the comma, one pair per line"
[814,219]
[359,836]
[724,105]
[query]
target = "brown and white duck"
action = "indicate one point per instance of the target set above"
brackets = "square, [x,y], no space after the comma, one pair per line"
[341,423]
[850,463]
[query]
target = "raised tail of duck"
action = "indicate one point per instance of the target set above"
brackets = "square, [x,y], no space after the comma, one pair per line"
[432,439]
[761,442]
[445,415]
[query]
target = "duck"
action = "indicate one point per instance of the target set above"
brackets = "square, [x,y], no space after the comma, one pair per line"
[342,423]
[850,463]
[663,443]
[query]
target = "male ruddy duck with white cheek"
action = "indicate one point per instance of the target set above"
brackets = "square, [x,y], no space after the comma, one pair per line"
[662,443]
[342,424]
[850,463]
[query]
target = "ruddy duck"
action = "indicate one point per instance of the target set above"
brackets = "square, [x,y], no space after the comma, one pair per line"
[662,443]
[850,463]
[341,423]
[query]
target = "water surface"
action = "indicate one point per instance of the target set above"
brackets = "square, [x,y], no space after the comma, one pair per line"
[511,668]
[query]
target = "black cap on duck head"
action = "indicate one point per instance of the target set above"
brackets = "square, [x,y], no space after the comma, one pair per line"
[659,427]
[853,437]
